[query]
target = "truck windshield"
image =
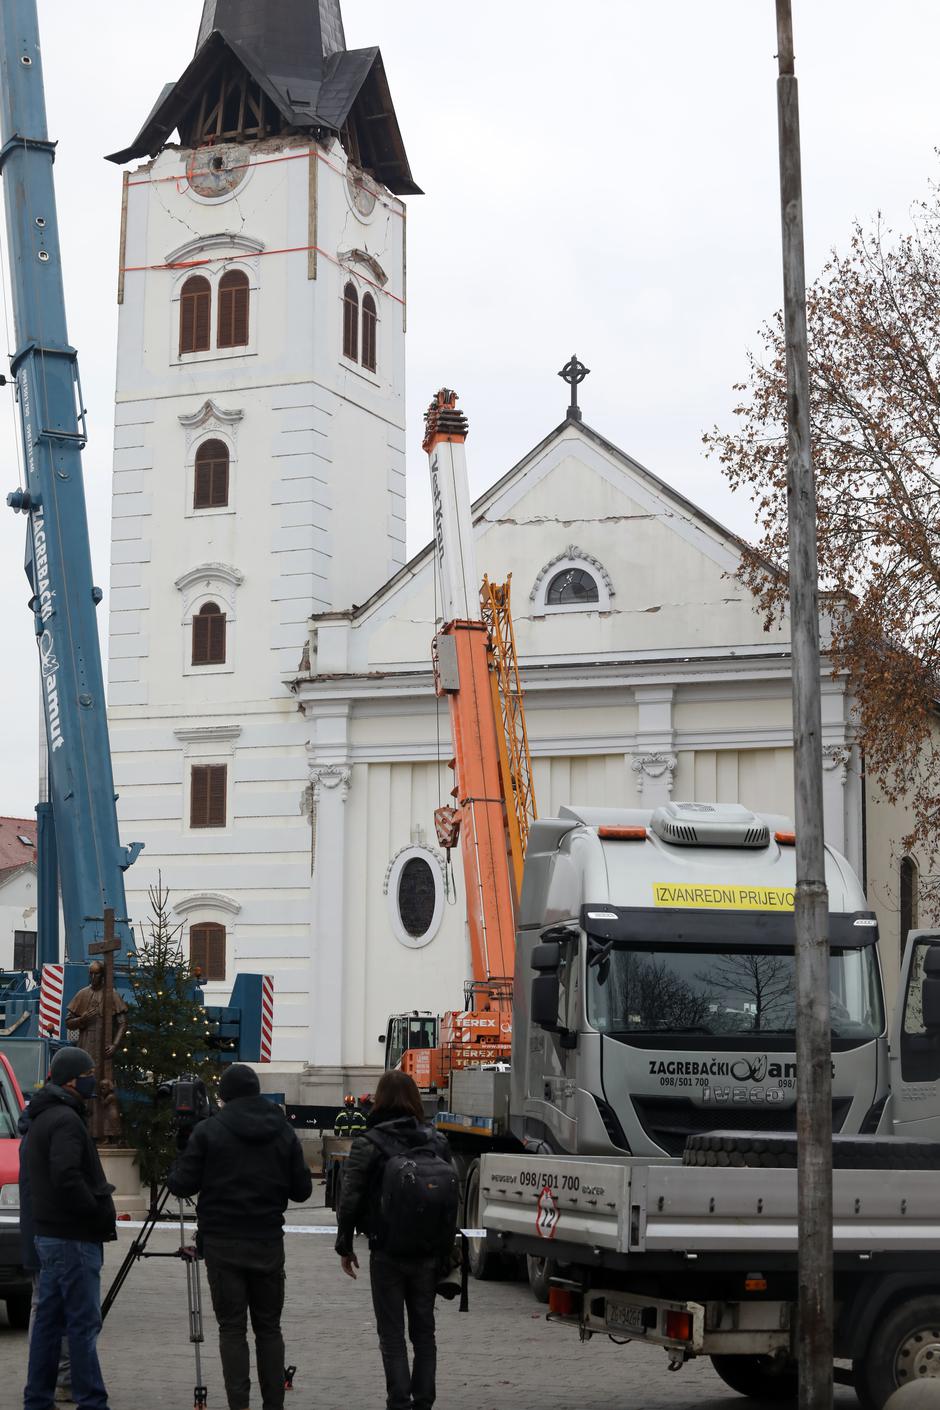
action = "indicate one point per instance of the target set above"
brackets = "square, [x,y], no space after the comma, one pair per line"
[724,992]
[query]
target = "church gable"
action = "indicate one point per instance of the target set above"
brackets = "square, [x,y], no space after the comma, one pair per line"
[607,562]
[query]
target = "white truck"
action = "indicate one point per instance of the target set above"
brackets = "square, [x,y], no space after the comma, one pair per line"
[652,1184]
[654,994]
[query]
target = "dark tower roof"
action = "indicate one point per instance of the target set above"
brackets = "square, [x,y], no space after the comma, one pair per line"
[294,52]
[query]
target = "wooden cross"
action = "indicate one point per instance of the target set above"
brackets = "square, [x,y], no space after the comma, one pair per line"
[107,948]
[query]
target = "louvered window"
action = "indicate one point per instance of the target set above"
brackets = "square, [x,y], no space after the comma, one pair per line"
[351,323]
[207,949]
[212,462]
[233,309]
[209,636]
[195,315]
[369,321]
[207,795]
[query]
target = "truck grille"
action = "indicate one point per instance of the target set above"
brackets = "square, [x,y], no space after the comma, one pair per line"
[669,1121]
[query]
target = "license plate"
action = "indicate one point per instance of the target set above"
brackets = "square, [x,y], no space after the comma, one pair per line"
[626,1317]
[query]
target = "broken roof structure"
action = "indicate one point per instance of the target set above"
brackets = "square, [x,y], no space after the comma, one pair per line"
[261,70]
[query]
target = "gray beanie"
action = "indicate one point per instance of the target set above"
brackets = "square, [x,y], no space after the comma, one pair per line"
[68,1063]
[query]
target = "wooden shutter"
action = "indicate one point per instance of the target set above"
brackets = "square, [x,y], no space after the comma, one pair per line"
[369,319]
[211,479]
[233,309]
[207,795]
[351,323]
[209,636]
[195,315]
[207,949]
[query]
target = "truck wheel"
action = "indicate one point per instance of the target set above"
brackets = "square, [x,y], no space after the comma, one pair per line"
[483,1263]
[540,1271]
[18,1311]
[760,1377]
[904,1348]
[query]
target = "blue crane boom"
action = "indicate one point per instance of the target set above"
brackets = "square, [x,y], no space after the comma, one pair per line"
[91,860]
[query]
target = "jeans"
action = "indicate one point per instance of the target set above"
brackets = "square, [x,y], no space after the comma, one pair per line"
[63,1377]
[247,1276]
[399,1283]
[69,1304]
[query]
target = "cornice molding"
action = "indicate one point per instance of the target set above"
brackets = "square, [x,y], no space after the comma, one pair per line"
[209,901]
[210,411]
[212,572]
[206,734]
[369,262]
[228,240]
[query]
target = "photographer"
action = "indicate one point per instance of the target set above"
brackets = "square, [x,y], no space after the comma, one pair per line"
[245,1163]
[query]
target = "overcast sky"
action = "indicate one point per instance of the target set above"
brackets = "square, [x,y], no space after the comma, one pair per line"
[600,178]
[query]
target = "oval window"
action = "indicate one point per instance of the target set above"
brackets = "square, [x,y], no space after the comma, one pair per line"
[417,897]
[414,893]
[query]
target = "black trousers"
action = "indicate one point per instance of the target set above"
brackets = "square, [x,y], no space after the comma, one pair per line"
[246,1277]
[397,1284]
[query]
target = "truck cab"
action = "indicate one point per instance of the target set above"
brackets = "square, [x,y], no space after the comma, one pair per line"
[655,989]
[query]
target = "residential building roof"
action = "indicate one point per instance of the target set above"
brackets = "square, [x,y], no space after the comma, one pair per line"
[17,844]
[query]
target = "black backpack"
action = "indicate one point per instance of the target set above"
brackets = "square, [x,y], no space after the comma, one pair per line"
[419,1198]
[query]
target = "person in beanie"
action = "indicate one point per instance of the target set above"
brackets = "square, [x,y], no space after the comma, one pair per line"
[244,1163]
[30,1258]
[73,1216]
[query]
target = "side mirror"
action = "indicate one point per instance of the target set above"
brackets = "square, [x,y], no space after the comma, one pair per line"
[546,995]
[546,958]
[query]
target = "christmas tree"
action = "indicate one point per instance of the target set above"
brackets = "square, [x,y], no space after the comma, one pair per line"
[167,1038]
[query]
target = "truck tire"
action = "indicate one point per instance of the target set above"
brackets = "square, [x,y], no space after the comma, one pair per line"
[720,1149]
[765,1378]
[904,1349]
[484,1264]
[540,1272]
[18,1307]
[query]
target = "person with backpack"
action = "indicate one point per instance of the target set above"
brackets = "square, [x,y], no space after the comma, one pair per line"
[400,1187]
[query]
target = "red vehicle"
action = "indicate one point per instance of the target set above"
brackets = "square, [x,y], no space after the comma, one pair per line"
[15,1284]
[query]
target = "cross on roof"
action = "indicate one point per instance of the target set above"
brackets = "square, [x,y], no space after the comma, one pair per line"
[574,373]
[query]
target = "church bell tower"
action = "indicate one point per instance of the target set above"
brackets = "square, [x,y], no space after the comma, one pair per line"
[259,467]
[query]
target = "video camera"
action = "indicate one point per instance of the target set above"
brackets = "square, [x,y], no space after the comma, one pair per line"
[190,1104]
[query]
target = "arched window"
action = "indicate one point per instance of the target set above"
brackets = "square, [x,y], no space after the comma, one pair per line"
[233,309]
[351,323]
[207,949]
[195,315]
[211,481]
[369,321]
[908,889]
[209,636]
[572,585]
[417,896]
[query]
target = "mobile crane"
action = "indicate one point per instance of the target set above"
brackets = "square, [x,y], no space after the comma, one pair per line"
[77,834]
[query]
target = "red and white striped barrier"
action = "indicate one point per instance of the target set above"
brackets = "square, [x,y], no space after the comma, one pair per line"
[51,983]
[267,1015]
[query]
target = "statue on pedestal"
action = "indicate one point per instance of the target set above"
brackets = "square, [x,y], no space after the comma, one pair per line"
[96,1015]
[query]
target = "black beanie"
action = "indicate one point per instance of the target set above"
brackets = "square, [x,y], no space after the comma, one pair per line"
[69,1063]
[238,1081]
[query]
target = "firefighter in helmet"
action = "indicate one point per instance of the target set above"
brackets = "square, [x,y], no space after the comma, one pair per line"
[349,1120]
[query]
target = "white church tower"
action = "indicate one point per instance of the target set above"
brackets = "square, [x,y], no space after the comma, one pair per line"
[259,470]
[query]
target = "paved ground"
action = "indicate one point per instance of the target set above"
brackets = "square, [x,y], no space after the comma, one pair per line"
[501,1354]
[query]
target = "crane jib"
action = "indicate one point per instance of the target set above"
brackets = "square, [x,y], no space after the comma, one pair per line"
[58,563]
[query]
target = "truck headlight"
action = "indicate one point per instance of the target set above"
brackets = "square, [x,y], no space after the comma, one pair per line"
[9,1196]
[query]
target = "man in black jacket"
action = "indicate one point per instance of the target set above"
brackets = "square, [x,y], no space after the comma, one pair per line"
[73,1215]
[245,1163]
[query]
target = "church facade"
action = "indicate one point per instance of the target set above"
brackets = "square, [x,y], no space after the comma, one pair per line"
[279,749]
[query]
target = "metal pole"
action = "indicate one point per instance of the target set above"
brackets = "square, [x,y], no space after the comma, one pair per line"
[813,1039]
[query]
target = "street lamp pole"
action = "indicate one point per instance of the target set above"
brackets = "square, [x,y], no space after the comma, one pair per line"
[813,1038]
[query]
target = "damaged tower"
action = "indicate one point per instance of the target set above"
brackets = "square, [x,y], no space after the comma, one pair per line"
[259,463]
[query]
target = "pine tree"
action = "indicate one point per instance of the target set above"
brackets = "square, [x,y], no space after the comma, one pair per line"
[167,1038]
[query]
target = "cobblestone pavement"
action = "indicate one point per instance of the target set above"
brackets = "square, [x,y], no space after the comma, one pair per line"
[502,1353]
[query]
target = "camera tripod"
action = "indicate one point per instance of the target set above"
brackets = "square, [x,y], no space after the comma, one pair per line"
[191,1259]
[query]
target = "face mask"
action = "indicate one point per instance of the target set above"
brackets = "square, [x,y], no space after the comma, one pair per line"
[85,1086]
